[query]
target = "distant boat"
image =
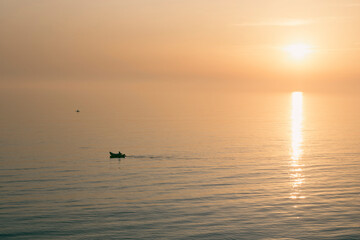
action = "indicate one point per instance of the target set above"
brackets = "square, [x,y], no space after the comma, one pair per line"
[117,155]
[78,110]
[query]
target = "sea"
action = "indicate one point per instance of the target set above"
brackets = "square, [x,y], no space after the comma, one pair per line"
[208,166]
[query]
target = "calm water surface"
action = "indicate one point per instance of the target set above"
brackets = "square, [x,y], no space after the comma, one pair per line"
[247,166]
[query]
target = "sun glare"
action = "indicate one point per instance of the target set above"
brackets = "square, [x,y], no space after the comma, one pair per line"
[298,51]
[297,178]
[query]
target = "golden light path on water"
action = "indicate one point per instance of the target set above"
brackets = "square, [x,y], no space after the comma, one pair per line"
[296,175]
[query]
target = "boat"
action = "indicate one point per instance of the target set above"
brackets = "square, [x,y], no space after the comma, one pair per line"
[117,155]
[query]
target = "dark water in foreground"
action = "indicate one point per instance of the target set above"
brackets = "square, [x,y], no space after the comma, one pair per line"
[249,167]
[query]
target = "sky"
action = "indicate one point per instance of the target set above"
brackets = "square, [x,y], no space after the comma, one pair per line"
[234,45]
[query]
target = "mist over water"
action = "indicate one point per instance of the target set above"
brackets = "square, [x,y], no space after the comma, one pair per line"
[199,166]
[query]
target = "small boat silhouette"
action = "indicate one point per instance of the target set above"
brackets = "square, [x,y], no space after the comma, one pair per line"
[78,110]
[117,155]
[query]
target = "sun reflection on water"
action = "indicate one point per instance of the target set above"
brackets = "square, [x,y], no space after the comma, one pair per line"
[296,175]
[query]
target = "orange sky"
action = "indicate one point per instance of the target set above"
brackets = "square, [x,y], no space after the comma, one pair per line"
[232,44]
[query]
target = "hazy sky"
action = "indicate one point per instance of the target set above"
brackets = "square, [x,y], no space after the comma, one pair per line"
[233,44]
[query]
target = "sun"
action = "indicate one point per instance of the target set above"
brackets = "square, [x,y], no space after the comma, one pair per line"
[298,51]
